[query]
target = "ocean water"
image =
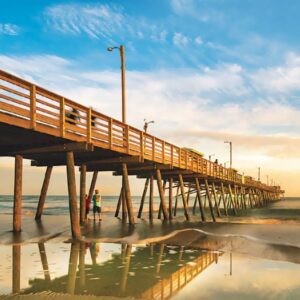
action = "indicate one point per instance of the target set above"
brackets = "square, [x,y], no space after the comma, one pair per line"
[287,210]
[59,205]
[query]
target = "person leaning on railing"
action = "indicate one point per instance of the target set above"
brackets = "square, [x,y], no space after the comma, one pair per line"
[73,117]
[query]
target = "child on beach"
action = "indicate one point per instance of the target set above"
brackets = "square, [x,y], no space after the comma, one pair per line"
[97,204]
[87,206]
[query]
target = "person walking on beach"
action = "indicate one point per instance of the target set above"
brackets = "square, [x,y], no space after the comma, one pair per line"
[87,206]
[97,204]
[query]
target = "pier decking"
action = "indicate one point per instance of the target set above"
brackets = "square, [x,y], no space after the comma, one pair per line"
[52,130]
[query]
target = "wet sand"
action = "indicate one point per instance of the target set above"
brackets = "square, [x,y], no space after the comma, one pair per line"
[272,241]
[114,230]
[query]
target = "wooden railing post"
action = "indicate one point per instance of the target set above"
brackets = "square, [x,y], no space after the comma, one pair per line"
[142,144]
[163,151]
[172,155]
[33,107]
[110,134]
[127,138]
[62,117]
[89,125]
[153,148]
[179,157]
[186,159]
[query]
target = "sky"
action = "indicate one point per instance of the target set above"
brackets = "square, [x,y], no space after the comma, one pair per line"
[205,71]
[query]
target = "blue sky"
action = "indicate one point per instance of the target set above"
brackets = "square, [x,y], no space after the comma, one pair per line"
[204,70]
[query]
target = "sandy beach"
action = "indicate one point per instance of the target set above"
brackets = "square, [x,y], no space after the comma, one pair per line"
[173,247]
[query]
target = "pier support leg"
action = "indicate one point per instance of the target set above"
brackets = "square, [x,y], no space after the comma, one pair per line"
[209,200]
[72,196]
[162,194]
[223,198]
[185,204]
[231,196]
[170,197]
[160,205]
[17,216]
[93,185]
[82,193]
[151,198]
[176,201]
[199,200]
[143,198]
[119,203]
[40,207]
[216,199]
[124,205]
[127,194]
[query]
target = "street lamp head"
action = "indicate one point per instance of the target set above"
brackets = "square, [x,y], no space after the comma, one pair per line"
[110,49]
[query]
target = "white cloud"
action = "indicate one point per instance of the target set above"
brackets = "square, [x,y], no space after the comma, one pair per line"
[198,40]
[96,21]
[180,40]
[196,108]
[284,78]
[9,29]
[101,21]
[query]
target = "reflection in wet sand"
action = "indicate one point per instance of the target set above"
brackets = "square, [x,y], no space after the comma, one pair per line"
[155,271]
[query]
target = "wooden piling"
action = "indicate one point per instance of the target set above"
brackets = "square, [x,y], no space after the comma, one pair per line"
[42,199]
[124,204]
[231,196]
[224,200]
[143,197]
[170,197]
[161,194]
[176,201]
[216,199]
[185,204]
[199,200]
[119,203]
[160,205]
[128,195]
[82,193]
[151,197]
[209,200]
[75,227]
[17,214]
[93,185]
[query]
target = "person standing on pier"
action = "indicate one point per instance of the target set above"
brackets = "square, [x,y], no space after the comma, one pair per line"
[97,201]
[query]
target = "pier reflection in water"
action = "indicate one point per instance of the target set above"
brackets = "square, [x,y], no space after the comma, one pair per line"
[154,271]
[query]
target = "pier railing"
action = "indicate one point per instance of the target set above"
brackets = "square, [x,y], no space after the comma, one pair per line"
[29,106]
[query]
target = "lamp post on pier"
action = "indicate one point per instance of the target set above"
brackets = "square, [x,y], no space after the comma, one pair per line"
[122,55]
[210,156]
[258,173]
[146,124]
[230,144]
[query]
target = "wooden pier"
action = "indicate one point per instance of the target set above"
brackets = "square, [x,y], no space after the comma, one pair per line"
[51,130]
